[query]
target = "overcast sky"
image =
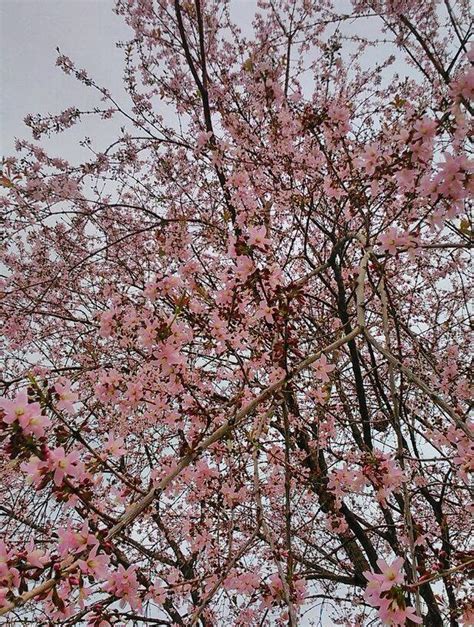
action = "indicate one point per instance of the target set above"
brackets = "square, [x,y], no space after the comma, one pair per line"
[85,30]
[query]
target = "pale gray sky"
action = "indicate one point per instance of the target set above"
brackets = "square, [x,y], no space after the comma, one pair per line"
[84,30]
[30,31]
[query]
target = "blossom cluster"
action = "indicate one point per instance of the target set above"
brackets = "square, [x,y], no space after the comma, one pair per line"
[385,592]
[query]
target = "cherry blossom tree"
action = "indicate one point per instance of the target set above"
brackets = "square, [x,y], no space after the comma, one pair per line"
[236,367]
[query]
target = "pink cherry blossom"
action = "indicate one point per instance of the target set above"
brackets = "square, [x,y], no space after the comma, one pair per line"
[381,592]
[5,554]
[63,465]
[35,556]
[393,239]
[124,585]
[34,469]
[3,596]
[95,565]
[322,368]
[245,267]
[28,415]
[257,236]
[67,397]
[158,593]
[114,446]
[9,575]
[391,574]
[391,613]
[75,540]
